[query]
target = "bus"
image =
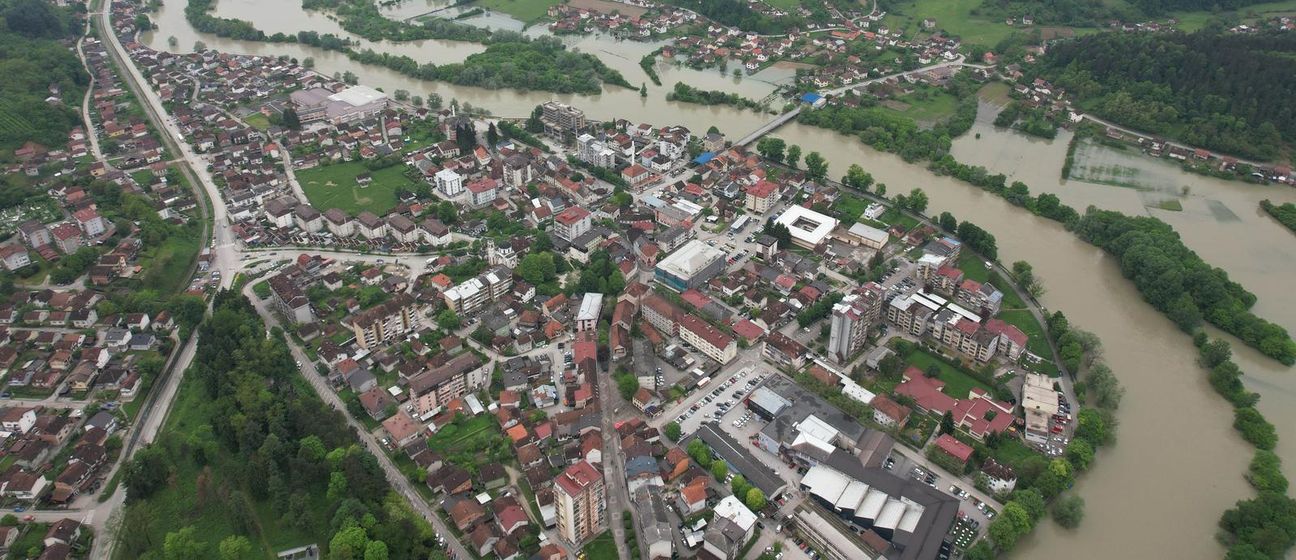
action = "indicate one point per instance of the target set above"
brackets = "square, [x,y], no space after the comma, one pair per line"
[739,224]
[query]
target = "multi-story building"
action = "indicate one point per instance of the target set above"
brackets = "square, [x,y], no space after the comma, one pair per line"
[470,295]
[449,183]
[385,321]
[595,152]
[482,192]
[433,388]
[762,196]
[308,218]
[581,502]
[979,296]
[851,319]
[67,237]
[572,222]
[90,221]
[694,264]
[709,340]
[371,226]
[561,120]
[402,228]
[15,256]
[661,314]
[339,223]
[289,299]
[35,234]
[590,308]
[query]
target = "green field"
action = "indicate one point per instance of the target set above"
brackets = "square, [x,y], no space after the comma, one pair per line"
[257,121]
[957,383]
[1193,21]
[168,271]
[334,186]
[973,267]
[603,547]
[925,106]
[954,17]
[529,11]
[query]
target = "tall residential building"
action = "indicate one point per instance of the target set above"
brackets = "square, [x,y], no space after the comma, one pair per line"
[385,321]
[572,222]
[851,319]
[449,183]
[561,120]
[470,295]
[581,503]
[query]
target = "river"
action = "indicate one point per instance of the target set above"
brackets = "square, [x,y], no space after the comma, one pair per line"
[1178,464]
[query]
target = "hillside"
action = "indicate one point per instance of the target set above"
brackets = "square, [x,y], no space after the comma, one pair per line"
[1230,93]
[33,62]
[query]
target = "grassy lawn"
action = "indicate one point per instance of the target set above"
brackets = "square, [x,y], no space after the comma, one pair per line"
[526,10]
[603,547]
[926,105]
[33,536]
[257,121]
[334,186]
[957,383]
[849,207]
[168,271]
[1193,21]
[974,268]
[1014,453]
[785,5]
[893,217]
[464,434]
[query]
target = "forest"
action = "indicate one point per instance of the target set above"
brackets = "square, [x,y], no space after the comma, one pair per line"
[32,61]
[1230,93]
[1179,283]
[252,460]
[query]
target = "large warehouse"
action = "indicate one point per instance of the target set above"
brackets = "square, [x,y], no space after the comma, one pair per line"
[691,266]
[809,229]
[912,517]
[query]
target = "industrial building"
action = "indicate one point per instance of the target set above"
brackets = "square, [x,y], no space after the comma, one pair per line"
[900,518]
[692,265]
[355,103]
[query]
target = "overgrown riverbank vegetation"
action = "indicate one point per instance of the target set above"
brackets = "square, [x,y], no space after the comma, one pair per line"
[511,60]
[251,460]
[1285,213]
[1263,526]
[685,93]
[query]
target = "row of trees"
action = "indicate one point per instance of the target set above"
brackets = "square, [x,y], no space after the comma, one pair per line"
[257,454]
[1262,527]
[1177,282]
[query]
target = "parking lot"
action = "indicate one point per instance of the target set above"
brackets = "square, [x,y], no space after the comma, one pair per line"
[721,399]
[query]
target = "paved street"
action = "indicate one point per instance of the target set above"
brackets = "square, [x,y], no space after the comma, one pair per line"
[398,480]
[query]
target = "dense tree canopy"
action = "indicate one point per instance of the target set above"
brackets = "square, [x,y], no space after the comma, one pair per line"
[32,63]
[1226,92]
[1177,282]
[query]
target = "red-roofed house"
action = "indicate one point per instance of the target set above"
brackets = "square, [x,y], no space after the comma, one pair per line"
[637,175]
[956,449]
[749,331]
[1012,342]
[707,339]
